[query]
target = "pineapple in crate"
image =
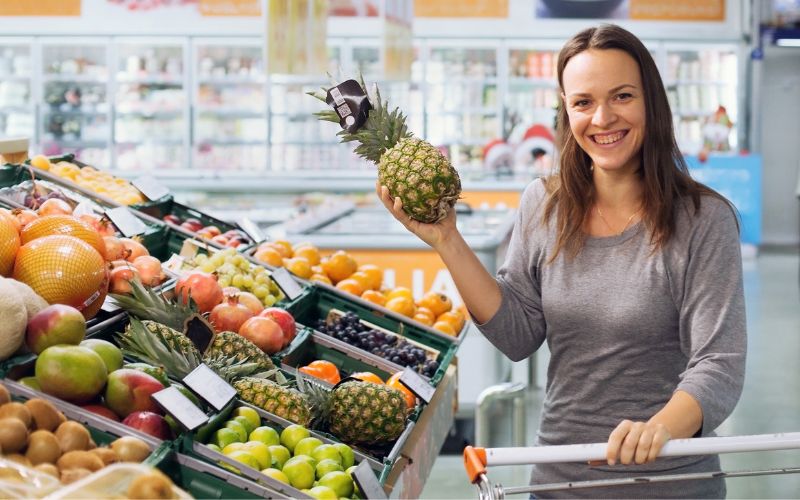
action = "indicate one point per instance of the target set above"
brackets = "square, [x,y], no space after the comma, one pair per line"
[412,169]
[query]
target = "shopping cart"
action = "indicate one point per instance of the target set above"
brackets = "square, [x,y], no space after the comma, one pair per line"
[476,460]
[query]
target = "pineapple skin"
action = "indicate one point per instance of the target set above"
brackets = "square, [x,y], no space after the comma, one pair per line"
[233,346]
[271,397]
[422,177]
[367,413]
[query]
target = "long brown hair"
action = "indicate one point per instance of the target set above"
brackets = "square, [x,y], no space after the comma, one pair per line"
[663,170]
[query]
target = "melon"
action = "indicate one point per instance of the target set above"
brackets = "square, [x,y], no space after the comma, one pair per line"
[15,319]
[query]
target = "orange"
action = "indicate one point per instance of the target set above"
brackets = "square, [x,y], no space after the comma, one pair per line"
[299,267]
[423,318]
[455,318]
[287,247]
[310,370]
[41,161]
[362,279]
[402,305]
[374,273]
[350,286]
[308,252]
[424,311]
[301,244]
[328,369]
[394,382]
[269,256]
[445,327]
[437,302]
[400,291]
[339,266]
[320,278]
[367,377]
[374,296]
[317,269]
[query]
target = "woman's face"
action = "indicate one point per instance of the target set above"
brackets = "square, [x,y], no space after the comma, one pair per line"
[604,99]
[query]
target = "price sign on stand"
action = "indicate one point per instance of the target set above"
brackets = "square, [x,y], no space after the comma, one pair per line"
[367,482]
[127,223]
[287,283]
[150,188]
[210,386]
[252,230]
[174,402]
[418,385]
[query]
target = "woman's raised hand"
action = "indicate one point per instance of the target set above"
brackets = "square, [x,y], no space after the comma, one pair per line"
[433,234]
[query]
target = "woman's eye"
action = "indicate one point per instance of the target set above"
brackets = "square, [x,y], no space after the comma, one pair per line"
[580,104]
[624,96]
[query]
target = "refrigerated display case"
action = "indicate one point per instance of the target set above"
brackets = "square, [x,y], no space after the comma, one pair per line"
[17,116]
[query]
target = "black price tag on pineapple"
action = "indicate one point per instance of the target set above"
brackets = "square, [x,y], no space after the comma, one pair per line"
[418,385]
[287,283]
[172,401]
[252,230]
[351,104]
[150,188]
[127,223]
[210,386]
[367,483]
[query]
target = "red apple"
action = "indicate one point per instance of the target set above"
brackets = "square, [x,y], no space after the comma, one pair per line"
[284,319]
[149,423]
[128,391]
[172,219]
[102,411]
[263,332]
[55,324]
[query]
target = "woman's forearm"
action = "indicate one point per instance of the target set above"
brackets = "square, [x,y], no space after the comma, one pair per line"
[682,416]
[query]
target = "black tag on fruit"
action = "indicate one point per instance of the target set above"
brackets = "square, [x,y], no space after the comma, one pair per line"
[418,385]
[174,402]
[286,283]
[150,188]
[200,332]
[210,386]
[350,103]
[368,484]
[124,220]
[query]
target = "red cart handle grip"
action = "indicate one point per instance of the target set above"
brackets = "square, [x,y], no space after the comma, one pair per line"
[474,463]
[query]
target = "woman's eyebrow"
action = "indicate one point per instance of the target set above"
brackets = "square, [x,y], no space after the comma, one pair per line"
[615,89]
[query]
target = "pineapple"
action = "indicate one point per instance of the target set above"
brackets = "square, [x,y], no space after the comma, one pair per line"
[144,303]
[274,398]
[233,346]
[160,345]
[411,168]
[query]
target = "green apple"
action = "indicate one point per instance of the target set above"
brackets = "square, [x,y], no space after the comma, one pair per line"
[339,482]
[300,473]
[324,451]
[323,493]
[348,457]
[266,435]
[292,435]
[349,472]
[276,474]
[280,454]
[245,458]
[307,445]
[223,437]
[232,447]
[237,428]
[250,414]
[327,465]
[248,426]
[301,458]
[261,452]
[214,447]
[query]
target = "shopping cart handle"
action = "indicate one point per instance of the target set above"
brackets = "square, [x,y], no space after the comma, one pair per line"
[474,463]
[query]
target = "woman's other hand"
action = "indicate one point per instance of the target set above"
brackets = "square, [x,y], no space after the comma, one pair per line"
[433,234]
[636,442]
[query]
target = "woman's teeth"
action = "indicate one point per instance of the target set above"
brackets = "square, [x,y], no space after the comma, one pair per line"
[609,139]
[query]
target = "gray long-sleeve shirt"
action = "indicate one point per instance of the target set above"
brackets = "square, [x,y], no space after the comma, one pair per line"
[626,326]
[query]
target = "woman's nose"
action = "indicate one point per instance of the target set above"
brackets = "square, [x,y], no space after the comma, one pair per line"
[603,116]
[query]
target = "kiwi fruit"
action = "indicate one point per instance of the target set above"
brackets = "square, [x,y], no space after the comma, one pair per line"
[20,459]
[43,447]
[130,449]
[79,459]
[151,485]
[13,435]
[5,397]
[107,455]
[48,469]
[72,436]
[18,411]
[45,415]
[71,475]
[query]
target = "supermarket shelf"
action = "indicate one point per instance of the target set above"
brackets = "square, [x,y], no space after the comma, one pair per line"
[51,112]
[150,142]
[151,80]
[232,80]
[230,142]
[548,83]
[466,110]
[305,143]
[14,78]
[76,78]
[149,114]
[230,113]
[464,80]
[77,143]
[16,109]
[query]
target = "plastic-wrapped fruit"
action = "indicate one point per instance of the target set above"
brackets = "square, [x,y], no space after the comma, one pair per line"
[64,270]
[9,245]
[66,225]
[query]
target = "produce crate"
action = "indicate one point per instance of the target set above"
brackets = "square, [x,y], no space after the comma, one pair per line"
[323,302]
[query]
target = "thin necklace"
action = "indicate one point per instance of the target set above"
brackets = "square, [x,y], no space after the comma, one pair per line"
[597,207]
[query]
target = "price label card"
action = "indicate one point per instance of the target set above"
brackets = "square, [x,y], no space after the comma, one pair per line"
[286,282]
[150,187]
[210,386]
[127,223]
[172,401]
[252,230]
[174,263]
[367,483]
[418,385]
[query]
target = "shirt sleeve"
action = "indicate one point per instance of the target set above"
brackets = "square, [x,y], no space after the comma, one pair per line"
[713,332]
[518,329]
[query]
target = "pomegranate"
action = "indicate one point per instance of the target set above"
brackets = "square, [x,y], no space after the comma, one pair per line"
[134,248]
[115,250]
[229,315]
[54,206]
[263,332]
[246,298]
[25,216]
[121,277]
[203,289]
[149,269]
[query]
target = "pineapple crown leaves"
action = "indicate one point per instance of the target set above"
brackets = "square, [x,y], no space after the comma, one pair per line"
[144,303]
[232,370]
[152,347]
[318,398]
[382,130]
